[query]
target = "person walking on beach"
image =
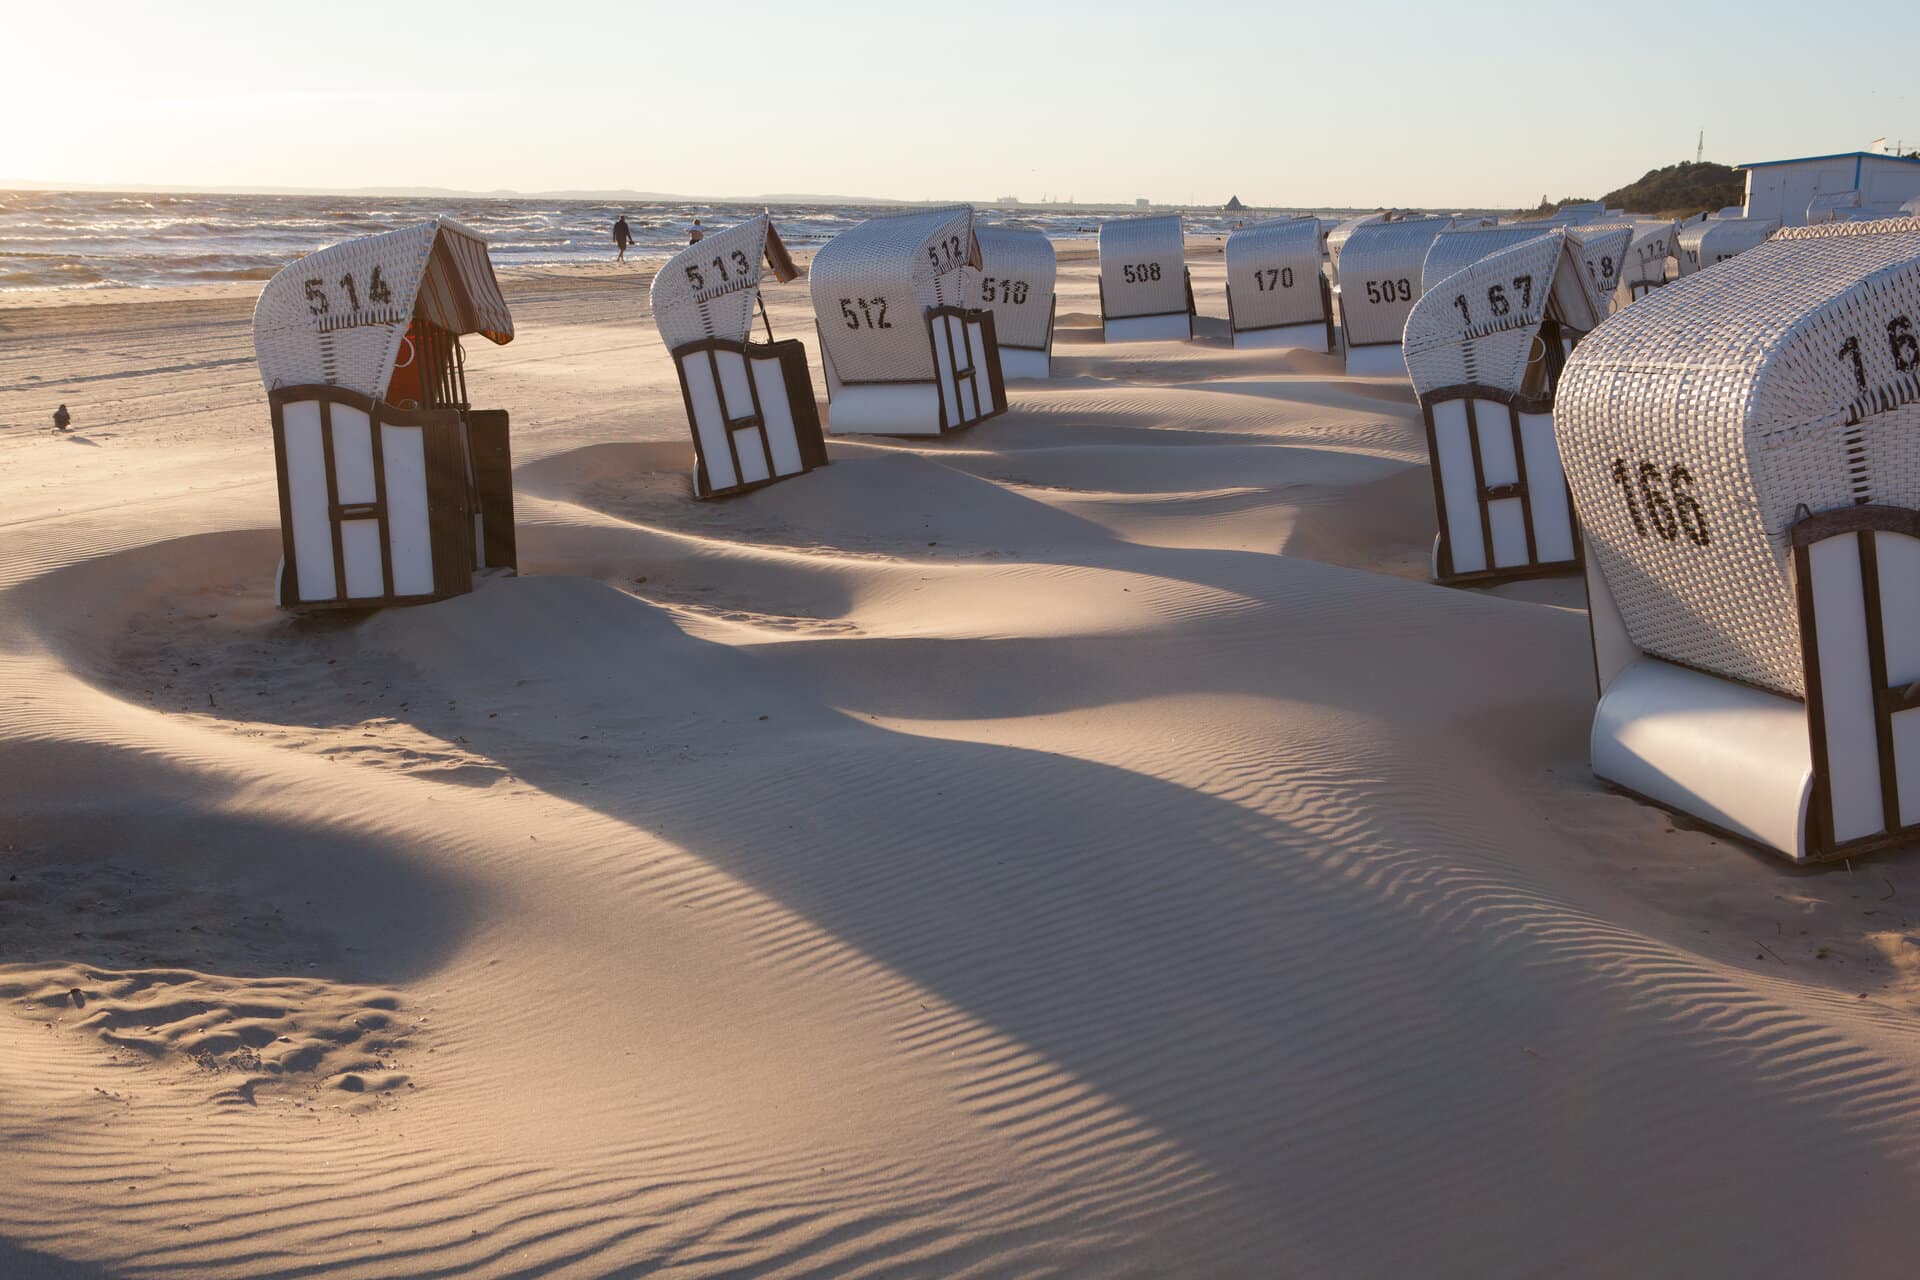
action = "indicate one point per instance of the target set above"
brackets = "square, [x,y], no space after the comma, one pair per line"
[696,235]
[62,420]
[622,237]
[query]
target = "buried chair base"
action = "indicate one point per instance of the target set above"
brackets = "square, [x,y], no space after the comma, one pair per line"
[750,407]
[1835,776]
[968,385]
[385,506]
[1377,360]
[1498,488]
[1025,362]
[1174,327]
[1313,336]
[1728,754]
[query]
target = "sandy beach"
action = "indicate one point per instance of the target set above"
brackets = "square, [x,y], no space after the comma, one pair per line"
[1086,845]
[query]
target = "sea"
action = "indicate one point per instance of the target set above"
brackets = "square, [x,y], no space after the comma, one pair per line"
[147,240]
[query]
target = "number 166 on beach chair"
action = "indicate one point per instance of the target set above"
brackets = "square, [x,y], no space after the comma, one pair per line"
[393,488]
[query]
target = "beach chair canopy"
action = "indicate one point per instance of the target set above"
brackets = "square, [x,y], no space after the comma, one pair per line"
[1380,276]
[1602,249]
[1458,248]
[1143,267]
[711,289]
[1702,423]
[1342,232]
[1702,244]
[1481,325]
[1273,274]
[339,317]
[1017,271]
[1647,253]
[873,282]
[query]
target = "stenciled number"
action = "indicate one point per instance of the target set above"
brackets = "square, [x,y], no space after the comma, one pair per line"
[873,311]
[1497,299]
[1669,507]
[945,254]
[1011,291]
[320,302]
[1460,301]
[1379,291]
[1903,345]
[1267,279]
[1139,272]
[1850,350]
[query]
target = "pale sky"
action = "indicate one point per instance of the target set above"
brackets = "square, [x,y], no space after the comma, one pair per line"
[1338,104]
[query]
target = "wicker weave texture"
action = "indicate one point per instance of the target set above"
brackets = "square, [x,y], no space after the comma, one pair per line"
[873,283]
[1143,266]
[1458,248]
[1380,276]
[1647,252]
[1602,249]
[1478,326]
[1714,240]
[1017,272]
[1273,269]
[1343,232]
[337,317]
[1779,380]
[710,289]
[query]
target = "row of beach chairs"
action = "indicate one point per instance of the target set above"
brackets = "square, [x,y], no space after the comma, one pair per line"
[1730,462]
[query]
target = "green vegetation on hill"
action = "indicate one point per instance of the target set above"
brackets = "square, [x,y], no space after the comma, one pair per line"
[1681,190]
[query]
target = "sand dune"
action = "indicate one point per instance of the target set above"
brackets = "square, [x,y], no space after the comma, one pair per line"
[1082,846]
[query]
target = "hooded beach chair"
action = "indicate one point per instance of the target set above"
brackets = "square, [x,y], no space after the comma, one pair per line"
[1652,245]
[1017,271]
[1743,447]
[907,349]
[1277,296]
[1711,240]
[1341,232]
[1484,348]
[1145,292]
[1379,283]
[749,404]
[393,490]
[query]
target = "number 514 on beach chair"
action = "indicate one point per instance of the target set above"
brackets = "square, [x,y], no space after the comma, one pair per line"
[393,489]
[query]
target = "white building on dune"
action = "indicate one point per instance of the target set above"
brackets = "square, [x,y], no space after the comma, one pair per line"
[1783,189]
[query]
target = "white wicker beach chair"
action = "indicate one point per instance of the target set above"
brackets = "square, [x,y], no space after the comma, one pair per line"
[1341,233]
[749,404]
[1017,271]
[1701,244]
[1379,283]
[1277,296]
[906,348]
[1484,348]
[1145,291]
[393,490]
[1648,252]
[1603,249]
[1743,447]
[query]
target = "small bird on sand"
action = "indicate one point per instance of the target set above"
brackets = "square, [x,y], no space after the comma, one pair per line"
[62,420]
